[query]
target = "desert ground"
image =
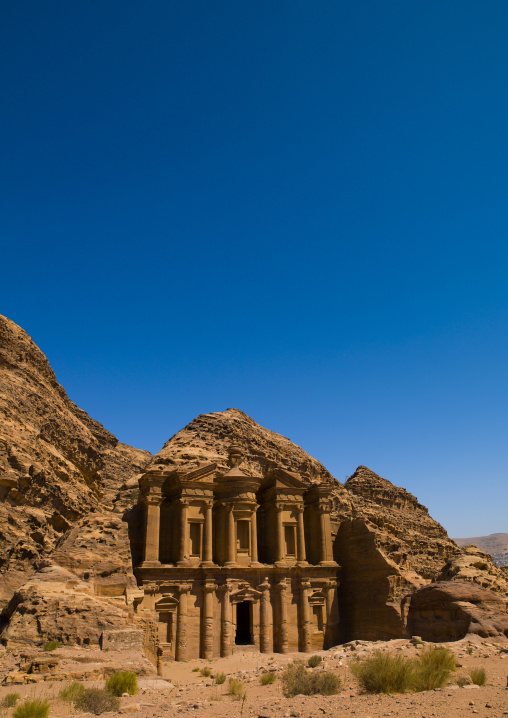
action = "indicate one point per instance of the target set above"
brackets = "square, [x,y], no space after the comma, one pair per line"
[183,689]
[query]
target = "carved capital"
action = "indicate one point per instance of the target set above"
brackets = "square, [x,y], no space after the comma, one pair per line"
[184,587]
[209,586]
[183,503]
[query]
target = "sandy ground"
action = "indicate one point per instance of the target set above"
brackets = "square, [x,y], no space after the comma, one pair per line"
[183,690]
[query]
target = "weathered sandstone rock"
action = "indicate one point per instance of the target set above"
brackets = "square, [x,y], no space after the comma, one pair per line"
[56,463]
[67,488]
[449,610]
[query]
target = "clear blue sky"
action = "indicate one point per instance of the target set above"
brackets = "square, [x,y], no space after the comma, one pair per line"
[294,208]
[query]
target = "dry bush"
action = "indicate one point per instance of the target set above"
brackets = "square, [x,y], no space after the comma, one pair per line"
[384,673]
[72,691]
[36,708]
[95,700]
[122,682]
[296,680]
[314,661]
[478,676]
[220,678]
[235,689]
[432,668]
[10,700]
[267,678]
[206,672]
[51,645]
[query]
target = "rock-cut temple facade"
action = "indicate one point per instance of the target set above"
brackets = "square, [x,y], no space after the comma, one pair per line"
[235,562]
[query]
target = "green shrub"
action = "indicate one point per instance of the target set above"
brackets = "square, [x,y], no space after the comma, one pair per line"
[97,701]
[51,645]
[37,708]
[478,676]
[72,691]
[470,650]
[384,673]
[462,681]
[267,678]
[10,700]
[314,661]
[220,678]
[122,682]
[235,689]
[432,668]
[206,672]
[196,669]
[296,680]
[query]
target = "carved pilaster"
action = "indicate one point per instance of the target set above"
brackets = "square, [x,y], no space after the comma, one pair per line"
[301,553]
[181,624]
[207,536]
[254,539]
[231,553]
[207,619]
[279,556]
[283,616]
[184,508]
[226,622]
[305,617]
[152,501]
[265,628]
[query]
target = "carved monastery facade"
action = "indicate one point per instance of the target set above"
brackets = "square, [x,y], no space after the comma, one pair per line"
[235,562]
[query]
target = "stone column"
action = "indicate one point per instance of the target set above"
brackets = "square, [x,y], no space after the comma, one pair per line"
[265,628]
[300,550]
[225,635]
[231,537]
[181,624]
[254,539]
[207,618]
[184,507]
[325,535]
[283,616]
[152,529]
[279,556]
[332,614]
[207,537]
[305,617]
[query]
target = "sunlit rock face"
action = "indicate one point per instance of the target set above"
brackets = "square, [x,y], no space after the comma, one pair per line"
[69,491]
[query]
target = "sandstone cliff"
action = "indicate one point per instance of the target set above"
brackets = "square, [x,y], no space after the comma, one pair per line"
[67,485]
[57,464]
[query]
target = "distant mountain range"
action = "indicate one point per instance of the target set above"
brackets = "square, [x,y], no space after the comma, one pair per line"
[495,544]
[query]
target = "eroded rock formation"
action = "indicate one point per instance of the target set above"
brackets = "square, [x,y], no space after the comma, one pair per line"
[68,490]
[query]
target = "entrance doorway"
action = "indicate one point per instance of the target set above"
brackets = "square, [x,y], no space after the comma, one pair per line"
[165,627]
[243,624]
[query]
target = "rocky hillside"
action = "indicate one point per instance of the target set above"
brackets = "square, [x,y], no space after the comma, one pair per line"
[56,463]
[494,544]
[66,483]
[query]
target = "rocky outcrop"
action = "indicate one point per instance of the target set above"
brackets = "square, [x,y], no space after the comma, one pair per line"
[449,610]
[496,545]
[207,438]
[388,546]
[57,464]
[475,566]
[67,488]
[54,604]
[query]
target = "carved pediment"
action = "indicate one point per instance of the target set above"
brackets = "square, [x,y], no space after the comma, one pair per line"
[166,603]
[202,474]
[317,598]
[245,594]
[282,479]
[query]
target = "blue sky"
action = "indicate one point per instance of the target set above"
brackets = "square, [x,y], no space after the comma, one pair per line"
[297,209]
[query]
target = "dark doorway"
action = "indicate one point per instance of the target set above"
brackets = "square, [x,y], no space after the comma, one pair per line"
[243,624]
